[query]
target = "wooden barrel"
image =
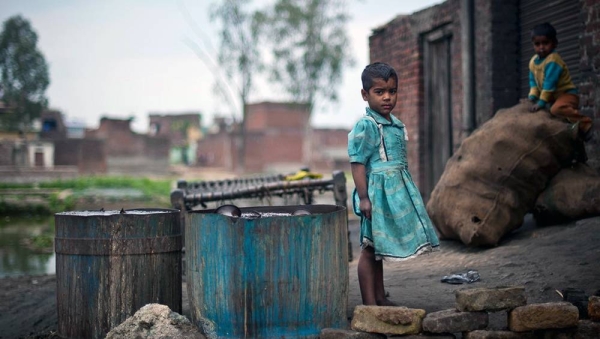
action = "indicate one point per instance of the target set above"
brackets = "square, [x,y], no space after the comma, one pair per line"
[270,277]
[109,264]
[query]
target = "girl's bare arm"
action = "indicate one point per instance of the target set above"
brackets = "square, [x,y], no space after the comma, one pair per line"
[359,174]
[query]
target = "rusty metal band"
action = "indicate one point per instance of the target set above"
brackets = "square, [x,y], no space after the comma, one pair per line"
[88,246]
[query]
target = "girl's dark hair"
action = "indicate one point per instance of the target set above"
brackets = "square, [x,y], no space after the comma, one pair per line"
[377,70]
[545,29]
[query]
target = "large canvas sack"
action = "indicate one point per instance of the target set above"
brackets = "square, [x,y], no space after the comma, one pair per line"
[494,178]
[574,193]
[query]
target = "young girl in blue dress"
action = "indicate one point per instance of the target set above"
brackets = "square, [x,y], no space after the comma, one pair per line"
[394,222]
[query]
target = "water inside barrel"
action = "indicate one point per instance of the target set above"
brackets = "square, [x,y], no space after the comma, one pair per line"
[255,215]
[113,212]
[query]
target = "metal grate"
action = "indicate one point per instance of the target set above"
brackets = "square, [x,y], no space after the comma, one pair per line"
[565,16]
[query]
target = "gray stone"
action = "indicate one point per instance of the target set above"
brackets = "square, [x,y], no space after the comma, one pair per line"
[490,299]
[335,333]
[426,336]
[543,316]
[387,319]
[594,308]
[584,330]
[155,321]
[482,334]
[453,321]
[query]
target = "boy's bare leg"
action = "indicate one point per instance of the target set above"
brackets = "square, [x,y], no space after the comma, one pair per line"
[567,107]
[367,275]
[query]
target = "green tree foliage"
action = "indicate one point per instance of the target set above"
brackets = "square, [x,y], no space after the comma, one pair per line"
[310,47]
[239,53]
[23,74]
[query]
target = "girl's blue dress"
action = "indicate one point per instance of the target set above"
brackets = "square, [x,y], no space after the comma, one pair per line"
[399,227]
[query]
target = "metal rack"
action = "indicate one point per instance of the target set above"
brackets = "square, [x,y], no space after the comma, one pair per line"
[193,195]
[190,196]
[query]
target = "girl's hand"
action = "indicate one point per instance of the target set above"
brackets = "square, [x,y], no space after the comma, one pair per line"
[365,208]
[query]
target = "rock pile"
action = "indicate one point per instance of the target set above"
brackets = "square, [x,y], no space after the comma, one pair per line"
[471,318]
[155,321]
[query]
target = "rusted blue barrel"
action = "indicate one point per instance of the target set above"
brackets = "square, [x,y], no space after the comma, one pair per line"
[276,276]
[111,263]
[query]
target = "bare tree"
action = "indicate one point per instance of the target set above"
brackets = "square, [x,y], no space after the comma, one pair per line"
[239,54]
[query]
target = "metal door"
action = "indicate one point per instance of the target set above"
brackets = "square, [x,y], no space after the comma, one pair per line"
[565,16]
[438,106]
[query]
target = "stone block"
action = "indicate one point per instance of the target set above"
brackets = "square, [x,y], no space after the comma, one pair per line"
[387,319]
[453,321]
[584,330]
[426,336]
[594,308]
[483,334]
[335,333]
[490,299]
[543,316]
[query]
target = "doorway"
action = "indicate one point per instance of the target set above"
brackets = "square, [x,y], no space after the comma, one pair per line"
[437,122]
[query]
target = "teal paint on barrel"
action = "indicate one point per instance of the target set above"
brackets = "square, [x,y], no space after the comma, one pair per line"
[268,277]
[109,264]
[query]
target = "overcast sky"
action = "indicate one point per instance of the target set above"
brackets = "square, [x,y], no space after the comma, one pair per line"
[126,58]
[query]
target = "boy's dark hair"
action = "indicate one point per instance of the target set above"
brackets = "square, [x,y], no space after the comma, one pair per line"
[545,29]
[377,70]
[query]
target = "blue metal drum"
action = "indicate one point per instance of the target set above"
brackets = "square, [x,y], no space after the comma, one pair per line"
[269,273]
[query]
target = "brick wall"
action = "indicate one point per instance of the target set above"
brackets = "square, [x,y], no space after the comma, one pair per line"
[66,152]
[277,115]
[496,33]
[589,86]
[398,43]
[6,152]
[88,155]
[276,136]
[92,159]
[120,140]
[171,126]
[216,150]
[329,150]
[277,148]
[128,152]
[274,151]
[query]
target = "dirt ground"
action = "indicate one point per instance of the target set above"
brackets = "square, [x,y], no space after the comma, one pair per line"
[541,259]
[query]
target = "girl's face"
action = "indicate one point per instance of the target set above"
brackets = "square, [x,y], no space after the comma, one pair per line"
[382,96]
[543,46]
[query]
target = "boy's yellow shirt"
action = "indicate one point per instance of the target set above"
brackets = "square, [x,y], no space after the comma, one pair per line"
[564,81]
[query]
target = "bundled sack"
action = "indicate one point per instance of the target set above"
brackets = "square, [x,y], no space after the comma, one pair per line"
[494,178]
[574,193]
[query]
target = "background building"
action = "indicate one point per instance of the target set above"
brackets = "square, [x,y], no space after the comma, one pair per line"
[462,60]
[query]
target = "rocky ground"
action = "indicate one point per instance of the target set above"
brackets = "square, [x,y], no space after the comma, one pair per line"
[543,260]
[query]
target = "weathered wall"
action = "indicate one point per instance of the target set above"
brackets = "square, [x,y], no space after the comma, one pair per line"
[88,155]
[504,55]
[128,152]
[497,57]
[216,150]
[119,139]
[330,150]
[589,87]
[398,43]
[276,137]
[6,153]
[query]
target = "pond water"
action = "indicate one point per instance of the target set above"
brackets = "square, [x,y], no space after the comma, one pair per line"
[16,258]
